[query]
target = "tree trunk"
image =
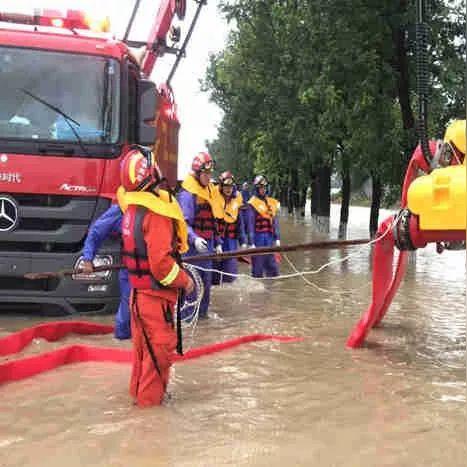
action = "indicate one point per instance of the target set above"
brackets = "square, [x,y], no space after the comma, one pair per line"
[375,205]
[314,197]
[293,202]
[344,217]
[400,64]
[295,195]
[296,200]
[283,195]
[321,199]
[289,200]
[303,201]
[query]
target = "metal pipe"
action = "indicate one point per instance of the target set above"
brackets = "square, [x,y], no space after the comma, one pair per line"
[132,18]
[329,244]
[181,52]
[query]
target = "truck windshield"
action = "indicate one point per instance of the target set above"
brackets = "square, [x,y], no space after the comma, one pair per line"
[85,88]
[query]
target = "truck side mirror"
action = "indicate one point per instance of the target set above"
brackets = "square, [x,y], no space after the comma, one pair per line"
[147,102]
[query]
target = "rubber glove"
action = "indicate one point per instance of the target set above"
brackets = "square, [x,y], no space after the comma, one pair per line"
[201,245]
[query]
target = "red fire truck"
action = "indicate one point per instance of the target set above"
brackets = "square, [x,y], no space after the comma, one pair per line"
[73,98]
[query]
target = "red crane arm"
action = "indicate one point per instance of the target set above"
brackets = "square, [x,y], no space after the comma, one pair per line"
[157,37]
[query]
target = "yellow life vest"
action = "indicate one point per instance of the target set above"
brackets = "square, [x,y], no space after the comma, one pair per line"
[231,207]
[163,204]
[208,194]
[266,208]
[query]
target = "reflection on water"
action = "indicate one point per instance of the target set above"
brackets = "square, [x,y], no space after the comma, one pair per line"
[399,401]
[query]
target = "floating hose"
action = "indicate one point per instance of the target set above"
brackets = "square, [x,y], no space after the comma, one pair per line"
[26,367]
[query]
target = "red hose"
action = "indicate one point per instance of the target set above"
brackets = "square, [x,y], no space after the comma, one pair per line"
[410,175]
[29,366]
[383,257]
[54,331]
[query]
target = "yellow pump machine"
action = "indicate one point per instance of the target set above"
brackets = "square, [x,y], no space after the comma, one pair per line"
[433,210]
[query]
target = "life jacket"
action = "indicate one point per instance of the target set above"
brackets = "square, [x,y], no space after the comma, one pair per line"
[228,225]
[228,230]
[135,206]
[208,207]
[265,211]
[204,224]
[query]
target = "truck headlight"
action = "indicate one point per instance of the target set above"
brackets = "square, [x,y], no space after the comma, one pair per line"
[99,260]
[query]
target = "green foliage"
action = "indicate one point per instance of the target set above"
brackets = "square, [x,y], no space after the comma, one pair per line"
[300,78]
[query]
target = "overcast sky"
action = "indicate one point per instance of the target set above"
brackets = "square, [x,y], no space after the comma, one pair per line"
[198,117]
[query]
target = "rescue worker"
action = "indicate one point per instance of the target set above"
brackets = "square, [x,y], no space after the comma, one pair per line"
[263,228]
[201,206]
[154,234]
[107,225]
[231,227]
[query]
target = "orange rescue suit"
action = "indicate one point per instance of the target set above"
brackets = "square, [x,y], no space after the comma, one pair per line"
[152,309]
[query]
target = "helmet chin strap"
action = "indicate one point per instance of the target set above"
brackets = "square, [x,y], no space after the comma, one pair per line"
[163,181]
[258,187]
[198,177]
[144,185]
[148,185]
[156,184]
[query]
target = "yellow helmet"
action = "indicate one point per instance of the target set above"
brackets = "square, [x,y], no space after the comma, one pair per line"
[455,135]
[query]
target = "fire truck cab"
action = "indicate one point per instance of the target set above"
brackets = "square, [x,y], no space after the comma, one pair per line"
[73,99]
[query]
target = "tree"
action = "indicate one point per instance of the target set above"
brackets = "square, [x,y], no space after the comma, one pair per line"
[299,79]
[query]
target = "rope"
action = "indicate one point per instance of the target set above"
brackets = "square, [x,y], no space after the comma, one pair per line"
[191,321]
[321,289]
[315,271]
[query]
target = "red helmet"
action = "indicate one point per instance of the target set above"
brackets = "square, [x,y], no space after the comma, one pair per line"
[202,162]
[139,171]
[226,178]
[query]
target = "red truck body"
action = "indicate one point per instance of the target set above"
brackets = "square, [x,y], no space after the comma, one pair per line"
[72,104]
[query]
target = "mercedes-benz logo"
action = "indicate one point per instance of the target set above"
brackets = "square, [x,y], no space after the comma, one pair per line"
[8,214]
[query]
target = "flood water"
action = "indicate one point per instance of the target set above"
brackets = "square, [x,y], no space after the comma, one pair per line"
[400,401]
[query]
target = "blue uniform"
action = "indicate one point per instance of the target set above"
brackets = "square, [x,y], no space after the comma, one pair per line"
[230,242]
[188,204]
[110,223]
[244,209]
[264,264]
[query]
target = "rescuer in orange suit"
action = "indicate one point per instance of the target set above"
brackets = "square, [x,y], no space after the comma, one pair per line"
[154,235]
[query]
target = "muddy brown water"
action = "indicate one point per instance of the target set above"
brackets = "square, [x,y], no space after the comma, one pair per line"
[400,401]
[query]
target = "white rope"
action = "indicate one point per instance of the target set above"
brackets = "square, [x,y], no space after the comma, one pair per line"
[191,320]
[315,271]
[193,269]
[321,289]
